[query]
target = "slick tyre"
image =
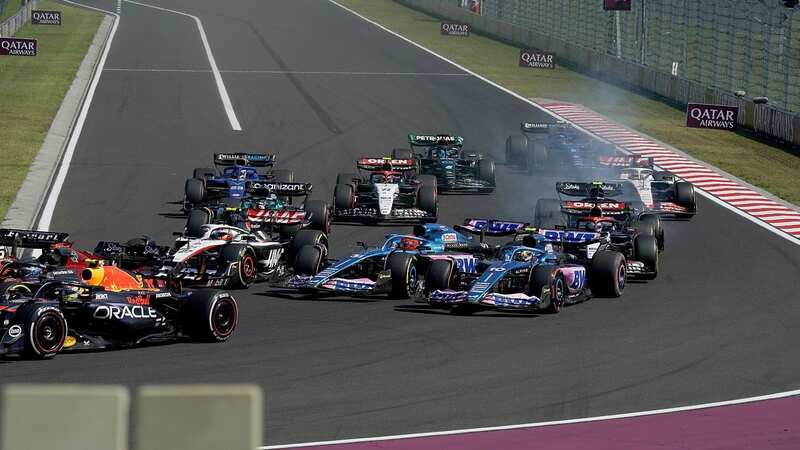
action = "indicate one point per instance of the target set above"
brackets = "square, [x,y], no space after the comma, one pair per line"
[516,148]
[203,172]
[309,260]
[405,275]
[402,153]
[646,251]
[650,224]
[549,286]
[246,265]
[547,213]
[486,170]
[194,224]
[439,275]
[320,215]
[607,274]
[344,197]
[195,190]
[310,237]
[427,199]
[537,157]
[347,178]
[44,330]
[211,316]
[685,195]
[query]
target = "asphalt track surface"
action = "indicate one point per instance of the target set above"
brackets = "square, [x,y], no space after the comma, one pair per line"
[722,320]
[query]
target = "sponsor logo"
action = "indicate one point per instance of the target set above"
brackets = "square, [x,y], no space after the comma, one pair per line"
[18,47]
[119,312]
[617,5]
[579,279]
[455,29]
[602,205]
[568,236]
[717,117]
[45,17]
[15,331]
[163,295]
[449,237]
[465,264]
[138,300]
[394,162]
[494,226]
[535,59]
[286,187]
[571,187]
[101,296]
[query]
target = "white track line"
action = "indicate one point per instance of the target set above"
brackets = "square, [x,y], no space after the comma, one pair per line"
[740,401]
[46,215]
[553,114]
[223,93]
[296,72]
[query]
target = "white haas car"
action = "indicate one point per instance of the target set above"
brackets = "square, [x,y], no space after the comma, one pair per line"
[660,191]
[231,257]
[390,192]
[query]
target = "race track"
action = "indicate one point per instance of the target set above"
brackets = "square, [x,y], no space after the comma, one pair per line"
[321,87]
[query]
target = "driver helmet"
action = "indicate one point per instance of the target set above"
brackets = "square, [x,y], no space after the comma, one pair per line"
[523,255]
[221,235]
[409,244]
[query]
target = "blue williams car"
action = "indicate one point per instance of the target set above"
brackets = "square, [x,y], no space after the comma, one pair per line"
[237,171]
[397,266]
[529,274]
[542,145]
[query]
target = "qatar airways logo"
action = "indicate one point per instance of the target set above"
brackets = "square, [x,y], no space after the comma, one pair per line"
[536,60]
[455,29]
[717,117]
[18,47]
[45,17]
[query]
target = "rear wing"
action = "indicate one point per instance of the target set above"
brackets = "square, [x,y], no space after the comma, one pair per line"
[569,236]
[262,189]
[244,159]
[427,140]
[31,238]
[607,206]
[148,251]
[543,127]
[374,164]
[627,161]
[597,189]
[490,227]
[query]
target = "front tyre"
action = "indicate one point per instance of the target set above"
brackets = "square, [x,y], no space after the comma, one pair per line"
[244,258]
[45,330]
[195,190]
[320,215]
[405,275]
[211,316]
[607,274]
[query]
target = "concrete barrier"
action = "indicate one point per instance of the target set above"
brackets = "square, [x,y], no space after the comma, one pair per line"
[199,417]
[766,120]
[64,417]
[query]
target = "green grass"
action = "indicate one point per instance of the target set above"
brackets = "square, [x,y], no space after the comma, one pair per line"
[773,169]
[32,89]
[12,6]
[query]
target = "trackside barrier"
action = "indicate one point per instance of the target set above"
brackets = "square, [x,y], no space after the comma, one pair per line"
[202,417]
[97,417]
[15,22]
[764,119]
[64,417]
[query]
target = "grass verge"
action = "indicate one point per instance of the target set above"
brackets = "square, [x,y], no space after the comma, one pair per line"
[10,8]
[774,169]
[33,89]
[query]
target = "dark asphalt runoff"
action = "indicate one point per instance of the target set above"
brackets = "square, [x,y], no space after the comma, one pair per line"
[722,321]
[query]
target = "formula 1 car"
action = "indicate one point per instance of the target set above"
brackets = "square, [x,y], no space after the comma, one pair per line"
[238,169]
[526,275]
[660,191]
[635,233]
[266,207]
[391,192]
[394,268]
[455,169]
[232,257]
[561,145]
[109,308]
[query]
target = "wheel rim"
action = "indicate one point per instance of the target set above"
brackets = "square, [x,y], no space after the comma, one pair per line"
[411,285]
[621,272]
[223,317]
[248,267]
[559,293]
[48,333]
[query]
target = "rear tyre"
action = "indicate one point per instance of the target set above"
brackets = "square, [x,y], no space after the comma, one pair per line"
[650,224]
[537,156]
[486,170]
[405,276]
[320,215]
[428,180]
[344,197]
[402,153]
[427,199]
[45,330]
[309,237]
[646,251]
[308,261]
[246,265]
[607,274]
[211,316]
[203,172]
[685,196]
[195,190]
[197,218]
[547,213]
[516,148]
